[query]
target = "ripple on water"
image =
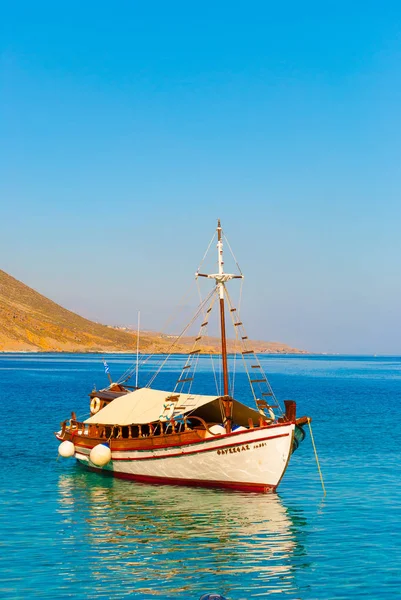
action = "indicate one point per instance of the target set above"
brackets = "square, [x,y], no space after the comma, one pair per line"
[67,533]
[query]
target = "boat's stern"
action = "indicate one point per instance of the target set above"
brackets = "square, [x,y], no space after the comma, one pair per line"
[291,415]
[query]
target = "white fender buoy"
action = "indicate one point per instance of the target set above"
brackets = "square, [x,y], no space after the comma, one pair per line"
[66,449]
[100,455]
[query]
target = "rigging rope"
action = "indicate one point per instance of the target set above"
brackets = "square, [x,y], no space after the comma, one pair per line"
[126,376]
[211,355]
[236,335]
[232,253]
[207,250]
[180,304]
[177,339]
[236,340]
[132,369]
[316,456]
[249,353]
[193,359]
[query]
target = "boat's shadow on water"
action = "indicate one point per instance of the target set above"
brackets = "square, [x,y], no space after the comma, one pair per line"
[148,540]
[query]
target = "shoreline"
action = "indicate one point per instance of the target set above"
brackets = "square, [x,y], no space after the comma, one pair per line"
[133,352]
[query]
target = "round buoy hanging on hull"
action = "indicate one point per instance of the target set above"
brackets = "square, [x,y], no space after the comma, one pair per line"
[100,455]
[66,449]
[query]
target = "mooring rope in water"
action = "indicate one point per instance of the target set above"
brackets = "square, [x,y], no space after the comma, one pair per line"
[316,456]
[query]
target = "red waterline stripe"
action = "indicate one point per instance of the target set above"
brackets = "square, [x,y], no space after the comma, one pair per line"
[273,437]
[232,485]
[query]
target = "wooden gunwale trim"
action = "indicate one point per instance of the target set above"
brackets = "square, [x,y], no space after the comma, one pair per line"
[224,435]
[231,485]
[146,443]
[186,443]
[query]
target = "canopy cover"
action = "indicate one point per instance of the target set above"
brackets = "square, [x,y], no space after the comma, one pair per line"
[146,406]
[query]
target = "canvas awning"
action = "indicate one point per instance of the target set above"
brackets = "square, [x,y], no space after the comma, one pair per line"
[146,406]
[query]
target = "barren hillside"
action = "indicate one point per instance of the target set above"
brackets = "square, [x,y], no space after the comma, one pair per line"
[32,322]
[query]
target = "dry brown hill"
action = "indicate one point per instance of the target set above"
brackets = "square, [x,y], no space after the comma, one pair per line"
[32,322]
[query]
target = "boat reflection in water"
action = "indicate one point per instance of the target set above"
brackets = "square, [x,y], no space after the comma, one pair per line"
[148,541]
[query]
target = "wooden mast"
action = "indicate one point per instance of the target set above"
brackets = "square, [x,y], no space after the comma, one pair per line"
[226,398]
[221,279]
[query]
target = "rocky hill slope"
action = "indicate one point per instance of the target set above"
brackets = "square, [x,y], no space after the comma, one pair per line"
[32,322]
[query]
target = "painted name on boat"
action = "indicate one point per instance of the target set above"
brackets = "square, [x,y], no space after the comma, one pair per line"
[235,449]
[241,448]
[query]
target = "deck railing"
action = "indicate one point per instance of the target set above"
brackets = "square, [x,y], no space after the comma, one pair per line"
[115,432]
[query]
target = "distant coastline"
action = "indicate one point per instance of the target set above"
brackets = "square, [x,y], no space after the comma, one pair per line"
[32,323]
[141,353]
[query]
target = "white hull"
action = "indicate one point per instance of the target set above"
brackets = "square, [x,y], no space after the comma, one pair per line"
[251,460]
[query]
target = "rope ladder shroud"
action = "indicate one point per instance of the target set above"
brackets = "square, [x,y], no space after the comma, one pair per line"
[260,385]
[189,369]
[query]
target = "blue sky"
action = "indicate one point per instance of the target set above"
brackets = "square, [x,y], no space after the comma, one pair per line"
[127,129]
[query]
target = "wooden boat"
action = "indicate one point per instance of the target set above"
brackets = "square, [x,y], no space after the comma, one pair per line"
[180,438]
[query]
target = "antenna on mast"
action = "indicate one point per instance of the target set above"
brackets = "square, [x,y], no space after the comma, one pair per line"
[137,349]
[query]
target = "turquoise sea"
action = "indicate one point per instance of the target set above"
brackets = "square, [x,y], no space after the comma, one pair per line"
[66,533]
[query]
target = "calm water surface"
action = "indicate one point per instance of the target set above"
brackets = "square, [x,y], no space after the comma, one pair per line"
[66,533]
